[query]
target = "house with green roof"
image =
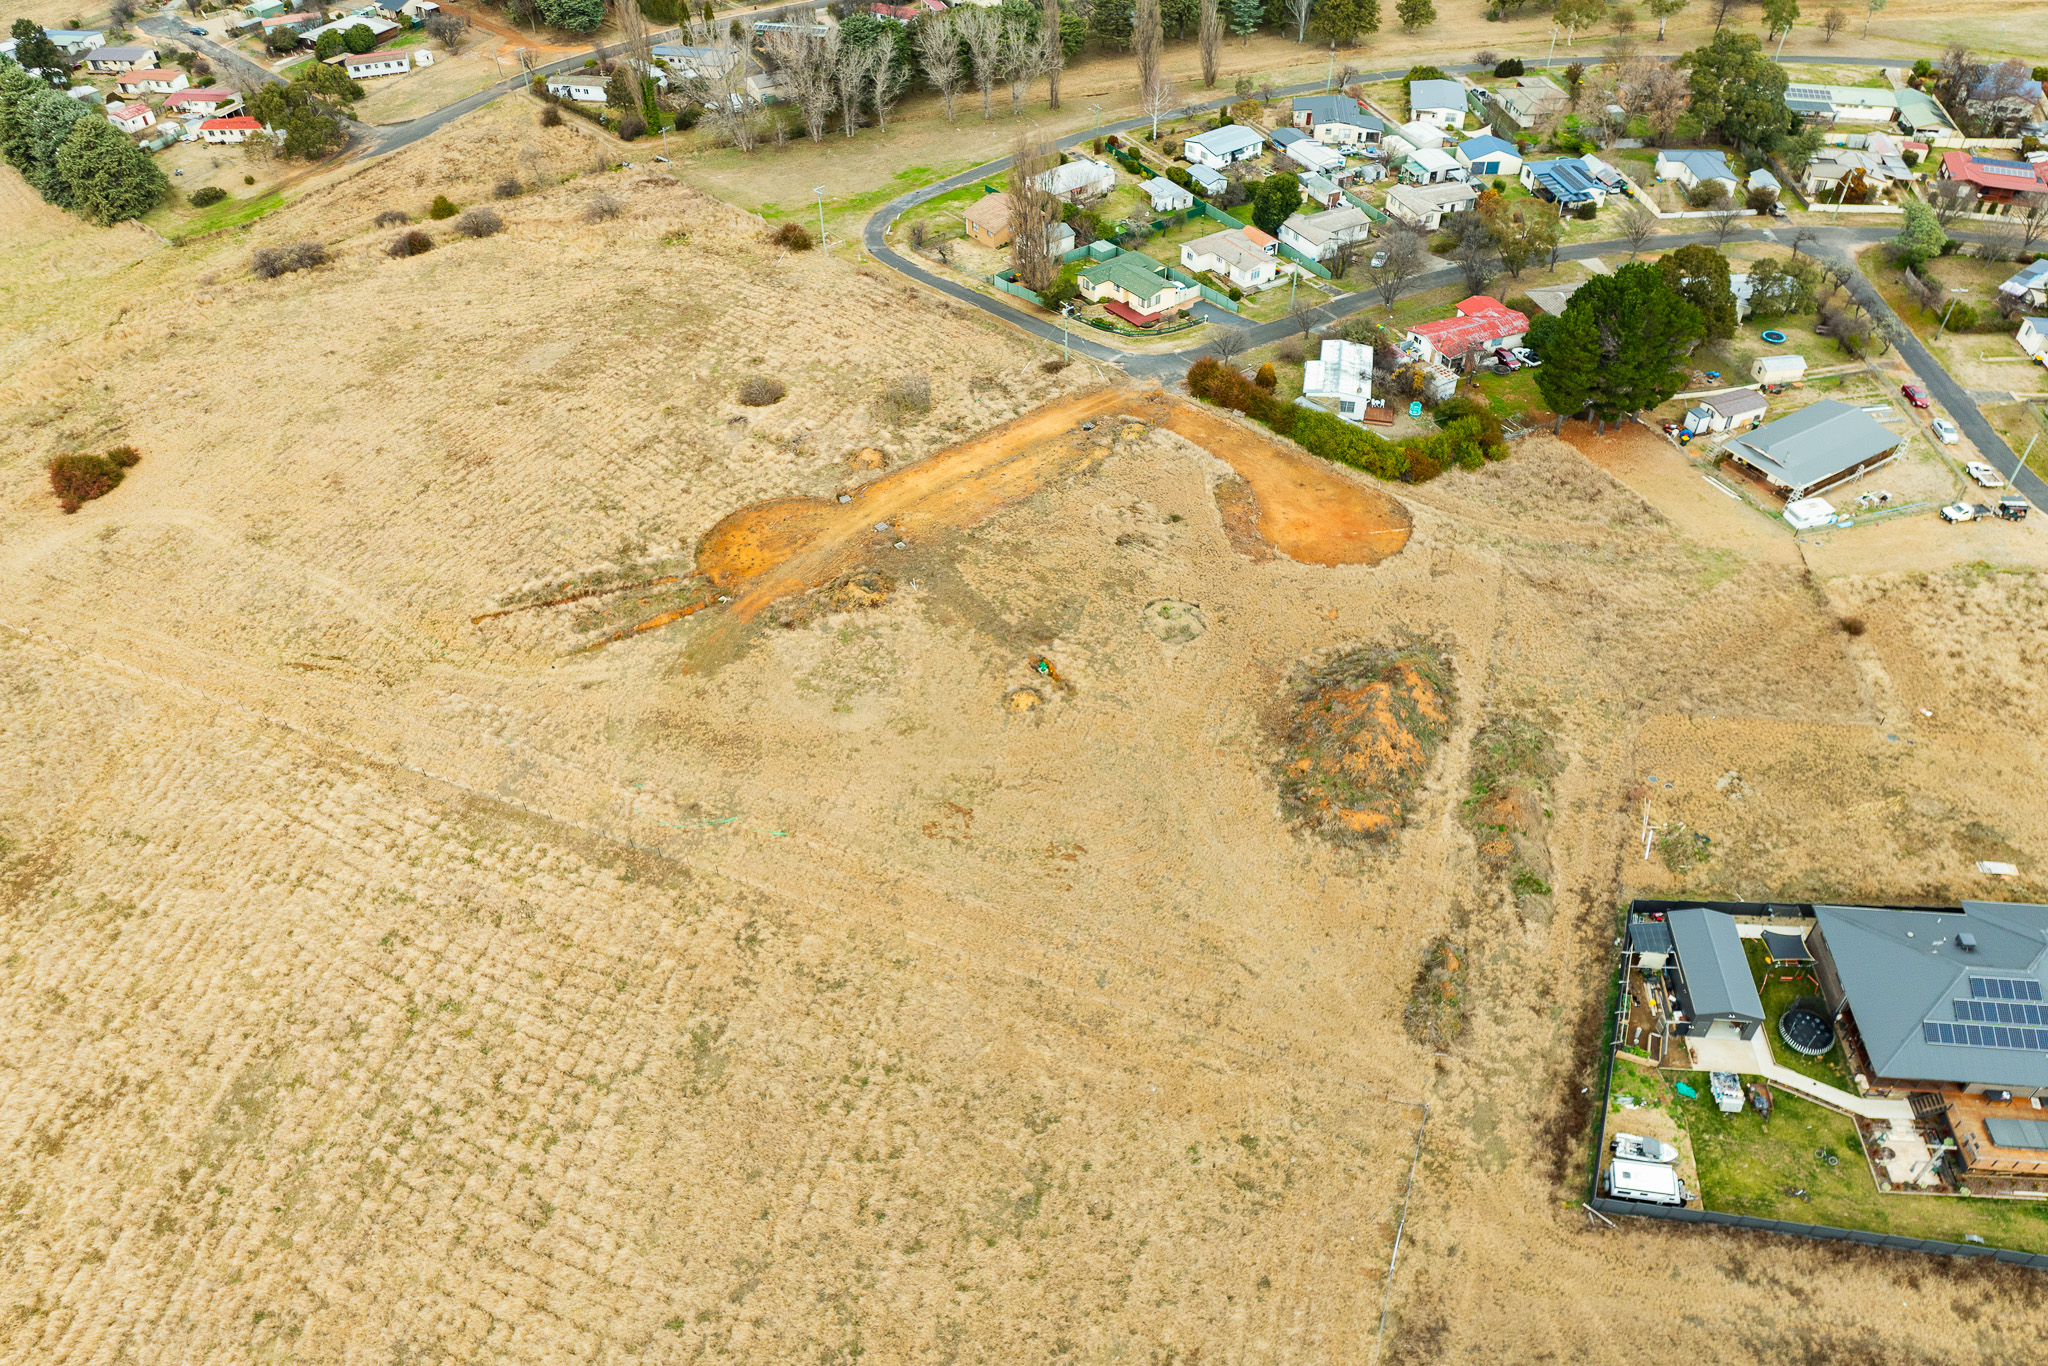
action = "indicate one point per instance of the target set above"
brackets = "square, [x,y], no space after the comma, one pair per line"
[1136,288]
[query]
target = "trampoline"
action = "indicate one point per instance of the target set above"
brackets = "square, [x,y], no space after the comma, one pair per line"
[1775,337]
[1805,1028]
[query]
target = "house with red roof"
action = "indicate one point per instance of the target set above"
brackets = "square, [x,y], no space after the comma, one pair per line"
[1464,341]
[131,118]
[211,100]
[228,130]
[1994,179]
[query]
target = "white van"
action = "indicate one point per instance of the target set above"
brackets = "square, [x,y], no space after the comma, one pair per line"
[1650,1182]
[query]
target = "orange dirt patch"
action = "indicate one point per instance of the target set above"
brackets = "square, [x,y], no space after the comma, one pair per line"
[1361,735]
[1306,509]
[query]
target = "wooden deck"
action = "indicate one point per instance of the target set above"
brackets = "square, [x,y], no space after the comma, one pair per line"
[1976,1151]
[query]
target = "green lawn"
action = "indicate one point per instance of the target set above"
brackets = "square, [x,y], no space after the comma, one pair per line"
[1778,996]
[228,213]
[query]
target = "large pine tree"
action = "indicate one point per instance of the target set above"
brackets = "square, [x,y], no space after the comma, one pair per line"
[1620,347]
[111,179]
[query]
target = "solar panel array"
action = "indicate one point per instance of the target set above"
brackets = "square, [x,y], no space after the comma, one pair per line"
[2001,1012]
[1985,1036]
[2005,989]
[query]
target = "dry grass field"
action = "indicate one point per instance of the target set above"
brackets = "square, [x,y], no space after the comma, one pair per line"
[390,976]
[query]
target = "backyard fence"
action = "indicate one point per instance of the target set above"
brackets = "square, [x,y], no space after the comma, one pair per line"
[1305,261]
[1204,209]
[1012,287]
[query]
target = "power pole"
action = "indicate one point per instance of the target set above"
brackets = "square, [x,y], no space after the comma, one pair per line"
[819,190]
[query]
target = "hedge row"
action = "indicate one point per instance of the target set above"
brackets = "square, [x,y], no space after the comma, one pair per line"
[1470,436]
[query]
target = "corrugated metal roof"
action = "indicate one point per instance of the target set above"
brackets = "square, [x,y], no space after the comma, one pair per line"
[1715,969]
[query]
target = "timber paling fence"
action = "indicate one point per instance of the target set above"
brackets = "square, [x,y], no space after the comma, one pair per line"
[1825,1233]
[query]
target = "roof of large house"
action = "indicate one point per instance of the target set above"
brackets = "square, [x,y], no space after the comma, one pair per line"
[597,78]
[1928,1007]
[1918,109]
[1071,176]
[210,95]
[1237,245]
[1568,178]
[1716,970]
[146,73]
[1130,272]
[240,121]
[989,213]
[1826,437]
[1342,367]
[1336,109]
[363,58]
[1486,145]
[1234,137]
[1433,158]
[120,54]
[1804,98]
[2018,176]
[1443,194]
[1317,227]
[1436,95]
[1480,318]
[2025,278]
[1704,163]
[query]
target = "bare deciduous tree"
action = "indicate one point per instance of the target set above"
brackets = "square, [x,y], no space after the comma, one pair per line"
[2030,217]
[1033,210]
[1833,21]
[1726,217]
[982,32]
[1021,54]
[1638,225]
[1148,38]
[938,52]
[1951,199]
[1229,345]
[809,66]
[1402,257]
[1209,38]
[447,30]
[1159,102]
[886,77]
[1055,59]
[852,78]
[733,108]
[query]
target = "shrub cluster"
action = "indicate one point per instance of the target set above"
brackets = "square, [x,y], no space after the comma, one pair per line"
[443,207]
[78,479]
[551,117]
[267,263]
[392,218]
[792,235]
[600,207]
[412,242]
[205,195]
[761,391]
[508,187]
[480,222]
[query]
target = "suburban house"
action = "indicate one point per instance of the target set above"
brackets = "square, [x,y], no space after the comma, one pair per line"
[380,28]
[1915,111]
[1078,180]
[1814,449]
[1342,375]
[1529,101]
[108,59]
[1697,166]
[1411,138]
[1921,115]
[1488,155]
[298,21]
[1571,181]
[1726,410]
[1166,196]
[1993,178]
[1320,191]
[1439,103]
[2023,102]
[1426,206]
[76,42]
[696,63]
[1337,121]
[155,80]
[2033,337]
[363,65]
[1761,179]
[228,130]
[1208,180]
[1221,146]
[584,87]
[1244,256]
[1136,288]
[418,11]
[988,225]
[1311,155]
[1951,1005]
[211,100]
[131,118]
[1430,166]
[1466,340]
[265,9]
[1318,236]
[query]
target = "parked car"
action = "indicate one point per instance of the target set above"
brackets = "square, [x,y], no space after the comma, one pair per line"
[1945,432]
[1915,395]
[1959,512]
[1379,258]
[1506,358]
[1985,475]
[1527,357]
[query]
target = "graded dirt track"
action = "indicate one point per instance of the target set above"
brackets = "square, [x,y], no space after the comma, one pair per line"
[1310,511]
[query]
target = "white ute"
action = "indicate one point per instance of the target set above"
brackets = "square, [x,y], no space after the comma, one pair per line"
[1985,475]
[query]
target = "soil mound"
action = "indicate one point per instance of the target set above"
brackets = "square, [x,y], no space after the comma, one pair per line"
[1361,730]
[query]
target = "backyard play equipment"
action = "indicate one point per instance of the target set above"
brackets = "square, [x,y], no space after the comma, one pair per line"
[1806,1029]
[1775,337]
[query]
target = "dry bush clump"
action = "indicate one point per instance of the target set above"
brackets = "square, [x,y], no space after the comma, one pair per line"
[793,236]
[1436,1011]
[267,263]
[1362,729]
[480,222]
[410,243]
[392,218]
[906,396]
[508,187]
[78,479]
[551,117]
[761,391]
[601,207]
[1053,366]
[1292,351]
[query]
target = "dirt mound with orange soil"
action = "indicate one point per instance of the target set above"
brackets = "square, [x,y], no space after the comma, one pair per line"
[1361,730]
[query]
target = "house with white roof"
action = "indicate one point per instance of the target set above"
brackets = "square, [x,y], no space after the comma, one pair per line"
[1426,206]
[1431,166]
[1246,257]
[584,87]
[1078,180]
[701,63]
[1166,196]
[1340,376]
[1319,236]
[1439,103]
[1410,138]
[1527,102]
[362,66]
[1311,155]
[1222,146]
[379,28]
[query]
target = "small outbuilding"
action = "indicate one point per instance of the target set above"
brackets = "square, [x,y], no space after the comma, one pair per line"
[1778,369]
[1716,995]
[1725,411]
[1166,196]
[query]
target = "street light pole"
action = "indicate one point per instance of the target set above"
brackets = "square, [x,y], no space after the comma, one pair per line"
[819,190]
[1066,311]
[1551,60]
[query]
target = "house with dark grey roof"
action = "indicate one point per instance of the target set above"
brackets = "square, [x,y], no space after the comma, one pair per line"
[1812,450]
[1716,996]
[1337,121]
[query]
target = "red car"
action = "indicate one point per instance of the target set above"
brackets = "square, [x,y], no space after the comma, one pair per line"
[1915,395]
